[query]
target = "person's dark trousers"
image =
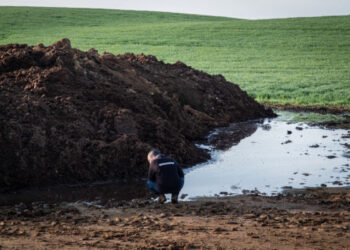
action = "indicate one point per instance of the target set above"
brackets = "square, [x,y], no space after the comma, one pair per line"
[153,186]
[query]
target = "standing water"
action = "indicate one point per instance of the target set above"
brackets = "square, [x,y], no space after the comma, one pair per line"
[277,155]
[261,156]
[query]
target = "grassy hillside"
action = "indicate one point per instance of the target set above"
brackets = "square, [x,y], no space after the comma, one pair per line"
[300,61]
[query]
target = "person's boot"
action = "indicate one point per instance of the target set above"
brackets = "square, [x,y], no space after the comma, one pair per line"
[161,199]
[174,198]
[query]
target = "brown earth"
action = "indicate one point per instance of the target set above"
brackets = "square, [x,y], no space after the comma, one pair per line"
[70,116]
[304,219]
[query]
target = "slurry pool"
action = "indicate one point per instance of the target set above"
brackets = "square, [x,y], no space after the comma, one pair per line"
[277,155]
[261,156]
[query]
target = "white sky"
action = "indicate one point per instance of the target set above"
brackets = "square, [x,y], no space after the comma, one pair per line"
[249,9]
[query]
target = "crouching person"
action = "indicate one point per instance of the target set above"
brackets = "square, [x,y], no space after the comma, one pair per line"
[164,176]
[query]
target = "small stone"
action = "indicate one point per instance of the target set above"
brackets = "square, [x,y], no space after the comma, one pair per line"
[162,215]
[183,196]
[263,217]
[36,233]
[107,236]
[220,229]
[117,220]
[337,183]
[110,222]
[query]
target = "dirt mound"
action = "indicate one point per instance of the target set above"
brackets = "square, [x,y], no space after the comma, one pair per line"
[70,116]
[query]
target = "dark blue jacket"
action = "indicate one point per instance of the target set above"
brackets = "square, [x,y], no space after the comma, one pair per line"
[167,173]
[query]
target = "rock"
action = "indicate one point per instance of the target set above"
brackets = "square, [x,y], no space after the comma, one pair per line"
[314,146]
[163,215]
[298,128]
[219,230]
[250,216]
[339,183]
[289,132]
[107,236]
[21,232]
[103,216]
[331,156]
[346,154]
[36,233]
[245,191]
[117,220]
[183,196]
[263,217]
[110,222]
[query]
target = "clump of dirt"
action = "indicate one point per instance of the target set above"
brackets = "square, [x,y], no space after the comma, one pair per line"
[70,116]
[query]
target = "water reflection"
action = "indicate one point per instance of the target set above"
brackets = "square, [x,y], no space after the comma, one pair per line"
[225,138]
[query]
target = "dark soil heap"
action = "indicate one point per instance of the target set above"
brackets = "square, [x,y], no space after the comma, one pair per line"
[70,116]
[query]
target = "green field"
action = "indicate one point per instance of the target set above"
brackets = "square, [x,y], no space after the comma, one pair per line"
[302,61]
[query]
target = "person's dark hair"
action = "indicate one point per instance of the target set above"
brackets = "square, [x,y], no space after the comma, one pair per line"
[153,152]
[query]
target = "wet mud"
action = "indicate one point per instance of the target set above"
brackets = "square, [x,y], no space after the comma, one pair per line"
[301,219]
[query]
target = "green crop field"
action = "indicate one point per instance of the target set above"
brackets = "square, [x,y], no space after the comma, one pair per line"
[303,61]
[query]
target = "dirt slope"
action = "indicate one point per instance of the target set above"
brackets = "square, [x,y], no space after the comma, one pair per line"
[70,116]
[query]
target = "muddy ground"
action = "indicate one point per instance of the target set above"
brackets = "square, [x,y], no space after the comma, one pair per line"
[310,108]
[300,219]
